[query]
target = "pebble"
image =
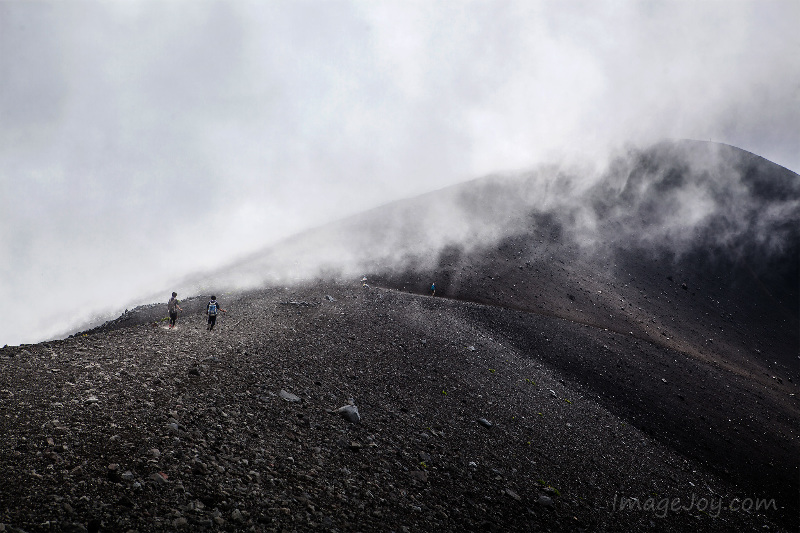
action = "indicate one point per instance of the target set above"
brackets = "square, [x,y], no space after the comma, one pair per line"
[419,475]
[349,413]
[159,477]
[289,397]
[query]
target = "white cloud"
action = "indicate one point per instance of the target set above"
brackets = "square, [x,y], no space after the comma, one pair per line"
[137,136]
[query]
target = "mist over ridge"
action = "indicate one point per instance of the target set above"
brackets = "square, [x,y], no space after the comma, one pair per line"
[682,319]
[144,141]
[672,199]
[675,198]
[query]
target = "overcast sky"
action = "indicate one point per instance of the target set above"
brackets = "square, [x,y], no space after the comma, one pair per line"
[140,141]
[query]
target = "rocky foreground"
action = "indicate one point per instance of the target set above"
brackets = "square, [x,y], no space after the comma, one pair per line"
[135,427]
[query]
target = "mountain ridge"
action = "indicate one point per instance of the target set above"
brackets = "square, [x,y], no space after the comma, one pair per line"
[629,335]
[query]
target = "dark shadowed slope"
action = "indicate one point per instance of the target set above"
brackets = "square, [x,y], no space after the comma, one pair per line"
[691,251]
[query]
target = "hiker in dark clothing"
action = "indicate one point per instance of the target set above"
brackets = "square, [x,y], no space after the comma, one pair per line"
[173,308]
[212,309]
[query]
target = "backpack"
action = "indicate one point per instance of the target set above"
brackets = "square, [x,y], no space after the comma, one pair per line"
[212,308]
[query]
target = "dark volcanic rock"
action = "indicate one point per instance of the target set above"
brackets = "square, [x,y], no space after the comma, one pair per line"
[244,458]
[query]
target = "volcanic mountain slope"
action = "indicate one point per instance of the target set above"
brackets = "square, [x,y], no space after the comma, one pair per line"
[631,336]
[143,428]
[690,248]
[712,305]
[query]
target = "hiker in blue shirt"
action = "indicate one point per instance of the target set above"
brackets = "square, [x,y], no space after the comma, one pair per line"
[433,289]
[211,309]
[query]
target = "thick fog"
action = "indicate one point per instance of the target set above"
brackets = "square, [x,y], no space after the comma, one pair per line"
[144,141]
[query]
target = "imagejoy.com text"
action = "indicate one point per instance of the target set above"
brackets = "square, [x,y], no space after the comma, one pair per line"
[713,506]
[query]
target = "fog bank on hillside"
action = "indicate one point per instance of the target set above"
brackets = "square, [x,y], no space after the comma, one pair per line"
[143,141]
[674,197]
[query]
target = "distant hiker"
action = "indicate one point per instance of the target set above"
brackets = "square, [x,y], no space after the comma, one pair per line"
[212,309]
[173,308]
[364,282]
[433,289]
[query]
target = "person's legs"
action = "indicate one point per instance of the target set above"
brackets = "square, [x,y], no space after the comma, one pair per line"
[212,320]
[172,318]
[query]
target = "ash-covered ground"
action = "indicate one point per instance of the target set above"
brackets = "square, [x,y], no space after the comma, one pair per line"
[614,357]
[135,427]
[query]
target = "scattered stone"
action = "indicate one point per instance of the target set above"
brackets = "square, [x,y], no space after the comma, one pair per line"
[349,413]
[113,472]
[545,501]
[159,477]
[199,468]
[196,505]
[419,475]
[289,397]
[419,457]
[298,303]
[125,502]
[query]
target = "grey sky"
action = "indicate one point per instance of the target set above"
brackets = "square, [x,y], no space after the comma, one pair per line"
[143,140]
